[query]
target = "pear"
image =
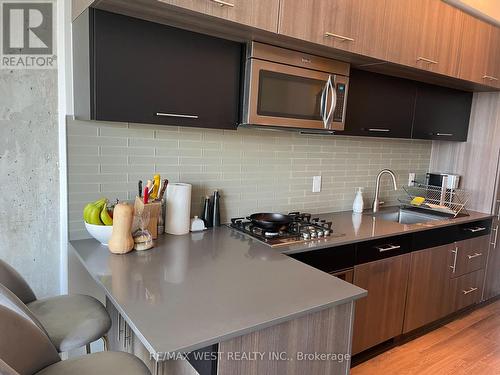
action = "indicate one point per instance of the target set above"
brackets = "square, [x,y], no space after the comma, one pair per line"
[87,208]
[94,215]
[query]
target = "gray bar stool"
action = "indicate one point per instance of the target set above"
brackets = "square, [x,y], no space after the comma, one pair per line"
[70,321]
[26,349]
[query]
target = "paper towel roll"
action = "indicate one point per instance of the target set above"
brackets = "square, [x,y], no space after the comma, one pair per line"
[178,217]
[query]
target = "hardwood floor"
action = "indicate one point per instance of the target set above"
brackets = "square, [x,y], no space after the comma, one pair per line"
[469,345]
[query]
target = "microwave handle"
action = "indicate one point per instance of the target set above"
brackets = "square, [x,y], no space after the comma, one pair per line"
[333,101]
[322,110]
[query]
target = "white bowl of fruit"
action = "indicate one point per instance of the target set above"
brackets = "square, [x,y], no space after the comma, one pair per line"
[98,217]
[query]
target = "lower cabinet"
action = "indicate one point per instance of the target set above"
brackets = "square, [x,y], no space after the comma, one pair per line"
[428,288]
[444,279]
[492,281]
[379,316]
[466,290]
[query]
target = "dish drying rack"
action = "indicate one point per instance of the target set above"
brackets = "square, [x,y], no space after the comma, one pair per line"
[437,198]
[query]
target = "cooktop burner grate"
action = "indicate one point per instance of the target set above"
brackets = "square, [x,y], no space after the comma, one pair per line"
[302,228]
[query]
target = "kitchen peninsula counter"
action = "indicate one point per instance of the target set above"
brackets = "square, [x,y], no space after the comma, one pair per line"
[199,289]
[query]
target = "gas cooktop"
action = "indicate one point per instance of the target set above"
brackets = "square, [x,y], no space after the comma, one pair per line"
[303,228]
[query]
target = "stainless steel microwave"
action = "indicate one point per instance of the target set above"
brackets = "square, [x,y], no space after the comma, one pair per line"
[290,89]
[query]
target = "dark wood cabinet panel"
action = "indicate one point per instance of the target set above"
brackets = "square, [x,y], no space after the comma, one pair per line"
[471,255]
[492,278]
[383,106]
[428,287]
[466,290]
[145,72]
[379,105]
[379,316]
[441,113]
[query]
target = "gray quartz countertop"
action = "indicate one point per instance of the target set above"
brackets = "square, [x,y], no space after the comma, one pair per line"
[198,289]
[195,290]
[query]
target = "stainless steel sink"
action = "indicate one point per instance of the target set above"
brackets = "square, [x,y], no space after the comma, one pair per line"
[405,216]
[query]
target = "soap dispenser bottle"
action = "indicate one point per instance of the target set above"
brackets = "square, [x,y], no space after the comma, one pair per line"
[357,206]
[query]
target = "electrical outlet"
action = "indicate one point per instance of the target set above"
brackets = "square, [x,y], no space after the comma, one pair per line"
[316,184]
[411,179]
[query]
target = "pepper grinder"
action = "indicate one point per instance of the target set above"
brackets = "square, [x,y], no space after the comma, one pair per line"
[216,209]
[206,214]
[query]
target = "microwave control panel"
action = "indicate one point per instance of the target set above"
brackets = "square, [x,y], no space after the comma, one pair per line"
[338,114]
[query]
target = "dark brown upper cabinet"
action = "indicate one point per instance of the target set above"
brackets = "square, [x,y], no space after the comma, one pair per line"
[131,70]
[385,106]
[441,113]
[379,105]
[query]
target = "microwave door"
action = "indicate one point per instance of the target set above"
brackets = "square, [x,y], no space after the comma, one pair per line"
[282,95]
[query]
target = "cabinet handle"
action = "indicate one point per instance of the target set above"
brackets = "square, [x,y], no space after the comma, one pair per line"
[469,290]
[454,266]
[341,37]
[387,248]
[444,134]
[424,59]
[161,114]
[382,130]
[494,243]
[491,78]
[223,3]
[474,255]
[476,229]
[126,337]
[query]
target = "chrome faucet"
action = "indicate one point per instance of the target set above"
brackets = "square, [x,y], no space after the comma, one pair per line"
[376,202]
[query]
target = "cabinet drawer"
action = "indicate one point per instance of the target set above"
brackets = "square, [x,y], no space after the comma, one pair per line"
[474,229]
[383,248]
[466,290]
[469,255]
[328,260]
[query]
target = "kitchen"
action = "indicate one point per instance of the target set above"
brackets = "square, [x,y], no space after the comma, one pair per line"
[267,189]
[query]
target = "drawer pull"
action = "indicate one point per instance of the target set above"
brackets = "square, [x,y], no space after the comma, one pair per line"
[476,229]
[444,134]
[379,130]
[341,37]
[491,78]
[387,248]
[424,59]
[223,3]
[454,266]
[161,114]
[494,243]
[469,290]
[475,255]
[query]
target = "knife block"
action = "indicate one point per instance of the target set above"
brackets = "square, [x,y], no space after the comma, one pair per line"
[153,209]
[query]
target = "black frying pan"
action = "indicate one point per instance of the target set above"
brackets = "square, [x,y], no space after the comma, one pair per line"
[270,221]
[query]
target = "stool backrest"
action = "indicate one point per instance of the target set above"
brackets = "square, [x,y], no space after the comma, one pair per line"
[10,278]
[24,347]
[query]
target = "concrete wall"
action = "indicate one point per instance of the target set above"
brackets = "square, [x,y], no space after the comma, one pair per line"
[29,188]
[255,170]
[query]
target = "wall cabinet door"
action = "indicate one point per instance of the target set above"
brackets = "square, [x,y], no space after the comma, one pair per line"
[262,14]
[379,316]
[145,72]
[379,105]
[349,25]
[441,113]
[428,287]
[439,29]
[480,52]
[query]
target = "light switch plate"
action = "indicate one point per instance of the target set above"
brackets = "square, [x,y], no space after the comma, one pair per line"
[316,184]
